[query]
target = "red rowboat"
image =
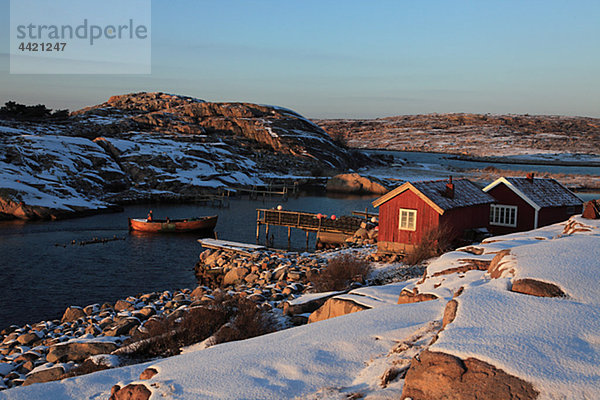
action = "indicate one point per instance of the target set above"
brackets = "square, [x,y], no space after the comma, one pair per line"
[173,225]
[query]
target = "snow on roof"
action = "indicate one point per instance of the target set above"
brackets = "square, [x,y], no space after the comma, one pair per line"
[466,194]
[540,192]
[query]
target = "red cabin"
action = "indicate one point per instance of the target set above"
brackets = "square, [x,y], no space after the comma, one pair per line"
[410,211]
[522,204]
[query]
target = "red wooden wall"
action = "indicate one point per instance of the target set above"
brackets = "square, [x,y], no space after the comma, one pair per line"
[525,212]
[552,215]
[461,219]
[427,218]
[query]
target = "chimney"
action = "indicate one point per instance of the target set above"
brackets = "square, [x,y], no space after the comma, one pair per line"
[530,176]
[449,189]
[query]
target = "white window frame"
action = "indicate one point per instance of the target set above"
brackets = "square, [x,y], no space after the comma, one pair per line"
[408,226]
[503,215]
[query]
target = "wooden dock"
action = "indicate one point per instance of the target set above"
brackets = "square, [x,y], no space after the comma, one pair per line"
[237,247]
[215,200]
[365,214]
[343,226]
[266,191]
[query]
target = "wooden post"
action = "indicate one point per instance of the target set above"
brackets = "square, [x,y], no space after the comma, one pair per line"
[306,240]
[267,236]
[257,226]
[289,236]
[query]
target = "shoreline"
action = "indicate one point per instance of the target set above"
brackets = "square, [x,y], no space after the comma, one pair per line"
[270,280]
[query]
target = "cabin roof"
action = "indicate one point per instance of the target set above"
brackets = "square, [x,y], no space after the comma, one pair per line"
[539,192]
[466,194]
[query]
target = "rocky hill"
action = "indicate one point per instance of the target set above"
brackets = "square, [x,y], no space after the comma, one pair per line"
[153,145]
[471,134]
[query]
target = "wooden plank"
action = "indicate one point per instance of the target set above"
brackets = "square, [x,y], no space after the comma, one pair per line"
[228,245]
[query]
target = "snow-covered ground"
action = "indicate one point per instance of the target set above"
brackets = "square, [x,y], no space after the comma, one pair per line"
[551,342]
[281,365]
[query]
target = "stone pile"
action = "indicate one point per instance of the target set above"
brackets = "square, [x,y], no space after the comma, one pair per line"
[366,234]
[47,350]
[265,276]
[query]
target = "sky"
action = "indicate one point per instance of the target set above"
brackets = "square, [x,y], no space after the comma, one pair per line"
[354,59]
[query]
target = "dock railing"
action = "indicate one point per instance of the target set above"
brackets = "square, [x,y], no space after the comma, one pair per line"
[308,222]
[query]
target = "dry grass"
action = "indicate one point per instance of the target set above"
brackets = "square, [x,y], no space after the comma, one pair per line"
[87,367]
[166,336]
[341,271]
[434,243]
[249,321]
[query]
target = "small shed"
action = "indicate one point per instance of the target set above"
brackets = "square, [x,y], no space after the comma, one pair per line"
[522,204]
[410,211]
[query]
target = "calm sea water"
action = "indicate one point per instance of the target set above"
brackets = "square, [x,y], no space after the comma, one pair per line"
[39,279]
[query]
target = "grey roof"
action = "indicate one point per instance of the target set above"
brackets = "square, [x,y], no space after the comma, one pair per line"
[466,193]
[545,192]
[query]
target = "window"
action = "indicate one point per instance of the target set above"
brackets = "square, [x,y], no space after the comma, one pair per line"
[407,220]
[503,215]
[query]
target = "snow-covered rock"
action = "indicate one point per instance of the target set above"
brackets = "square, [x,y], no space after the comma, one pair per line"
[152,145]
[548,343]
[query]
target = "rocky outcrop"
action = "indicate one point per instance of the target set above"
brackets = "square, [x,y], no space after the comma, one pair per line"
[498,266]
[468,264]
[449,313]
[435,375]
[130,392]
[354,183]
[148,373]
[280,129]
[147,146]
[414,296]
[44,375]
[335,307]
[78,351]
[537,288]
[305,307]
[72,313]
[591,209]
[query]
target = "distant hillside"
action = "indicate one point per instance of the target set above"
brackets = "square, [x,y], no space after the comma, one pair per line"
[471,134]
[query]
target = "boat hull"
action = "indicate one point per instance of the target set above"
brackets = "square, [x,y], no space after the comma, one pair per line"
[173,226]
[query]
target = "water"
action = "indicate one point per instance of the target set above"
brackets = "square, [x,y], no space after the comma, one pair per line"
[433,160]
[39,279]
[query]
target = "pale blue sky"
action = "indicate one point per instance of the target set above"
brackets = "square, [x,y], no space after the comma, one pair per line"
[355,58]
